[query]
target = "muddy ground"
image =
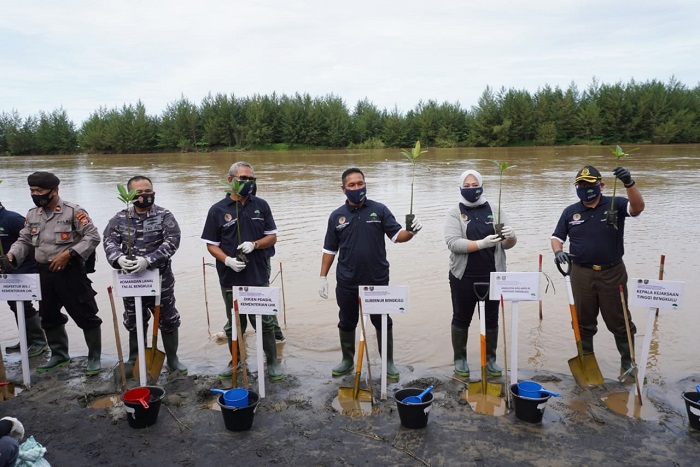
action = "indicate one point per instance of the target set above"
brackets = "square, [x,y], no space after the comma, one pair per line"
[295,424]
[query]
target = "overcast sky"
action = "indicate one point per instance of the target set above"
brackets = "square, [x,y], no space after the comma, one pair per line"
[81,55]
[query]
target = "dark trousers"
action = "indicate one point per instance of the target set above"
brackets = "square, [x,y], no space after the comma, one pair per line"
[464,301]
[600,290]
[169,316]
[29,309]
[347,297]
[268,321]
[70,289]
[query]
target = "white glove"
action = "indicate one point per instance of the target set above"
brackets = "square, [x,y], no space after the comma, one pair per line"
[489,242]
[415,227]
[126,263]
[323,287]
[508,232]
[246,247]
[235,264]
[140,265]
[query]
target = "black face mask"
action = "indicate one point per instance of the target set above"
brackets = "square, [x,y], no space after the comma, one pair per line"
[145,200]
[42,200]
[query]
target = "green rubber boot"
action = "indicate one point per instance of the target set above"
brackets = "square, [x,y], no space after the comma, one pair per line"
[93,339]
[623,347]
[491,346]
[347,347]
[391,370]
[170,344]
[58,343]
[459,346]
[274,370]
[227,373]
[35,337]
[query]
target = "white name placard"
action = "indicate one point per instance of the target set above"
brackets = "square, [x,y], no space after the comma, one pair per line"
[651,293]
[143,284]
[20,287]
[384,299]
[258,300]
[515,286]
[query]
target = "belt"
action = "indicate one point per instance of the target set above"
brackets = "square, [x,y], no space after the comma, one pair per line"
[599,267]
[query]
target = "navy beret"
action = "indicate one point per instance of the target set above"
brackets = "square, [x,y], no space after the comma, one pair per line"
[45,180]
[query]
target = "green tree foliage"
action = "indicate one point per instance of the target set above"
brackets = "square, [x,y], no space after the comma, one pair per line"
[631,112]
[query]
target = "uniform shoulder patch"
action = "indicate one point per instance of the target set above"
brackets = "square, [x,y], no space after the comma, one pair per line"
[82,217]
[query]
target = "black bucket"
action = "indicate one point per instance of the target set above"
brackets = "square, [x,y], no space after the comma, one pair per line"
[528,409]
[692,405]
[137,416]
[413,415]
[239,418]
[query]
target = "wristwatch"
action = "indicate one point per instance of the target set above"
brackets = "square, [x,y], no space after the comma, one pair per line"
[73,253]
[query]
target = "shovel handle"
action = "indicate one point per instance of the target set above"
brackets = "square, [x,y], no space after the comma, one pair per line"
[478,286]
[568,266]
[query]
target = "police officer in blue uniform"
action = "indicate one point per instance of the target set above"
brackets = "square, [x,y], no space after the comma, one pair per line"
[355,234]
[596,231]
[155,236]
[63,239]
[243,223]
[11,223]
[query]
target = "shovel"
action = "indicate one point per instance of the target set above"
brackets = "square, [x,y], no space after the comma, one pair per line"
[584,367]
[483,386]
[122,371]
[355,394]
[154,357]
[419,398]
[7,389]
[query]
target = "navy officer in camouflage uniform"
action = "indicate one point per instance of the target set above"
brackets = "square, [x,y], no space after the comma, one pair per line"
[63,237]
[155,235]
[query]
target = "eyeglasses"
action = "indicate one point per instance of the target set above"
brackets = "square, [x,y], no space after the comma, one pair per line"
[243,178]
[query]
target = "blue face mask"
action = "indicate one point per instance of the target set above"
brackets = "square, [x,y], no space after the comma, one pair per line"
[471,194]
[588,193]
[246,189]
[356,196]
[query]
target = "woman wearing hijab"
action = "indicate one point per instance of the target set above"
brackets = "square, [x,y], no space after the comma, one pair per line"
[475,252]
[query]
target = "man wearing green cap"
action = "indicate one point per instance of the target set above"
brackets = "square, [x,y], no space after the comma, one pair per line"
[63,238]
[596,230]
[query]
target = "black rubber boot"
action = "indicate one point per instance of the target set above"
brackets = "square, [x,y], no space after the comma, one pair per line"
[459,346]
[93,339]
[134,346]
[587,344]
[491,346]
[227,373]
[347,348]
[623,347]
[270,348]
[170,344]
[391,370]
[58,343]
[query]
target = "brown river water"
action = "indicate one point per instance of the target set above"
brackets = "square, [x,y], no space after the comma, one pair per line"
[302,189]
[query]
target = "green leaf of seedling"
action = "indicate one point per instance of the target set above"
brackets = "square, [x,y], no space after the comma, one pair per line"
[619,153]
[235,186]
[412,154]
[126,196]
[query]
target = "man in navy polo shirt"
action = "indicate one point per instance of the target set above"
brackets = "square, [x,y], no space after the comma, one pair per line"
[597,233]
[356,235]
[251,216]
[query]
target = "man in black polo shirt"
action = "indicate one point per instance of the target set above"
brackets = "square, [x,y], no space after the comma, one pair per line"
[597,233]
[251,216]
[355,234]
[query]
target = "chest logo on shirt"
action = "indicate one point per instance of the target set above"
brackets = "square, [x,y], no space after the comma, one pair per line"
[465,218]
[577,216]
[373,218]
[65,235]
[227,217]
[342,223]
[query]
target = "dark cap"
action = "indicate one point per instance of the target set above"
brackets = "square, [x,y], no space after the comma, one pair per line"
[588,174]
[45,180]
[5,427]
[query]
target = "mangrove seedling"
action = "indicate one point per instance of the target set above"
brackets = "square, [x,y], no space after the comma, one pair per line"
[236,186]
[502,167]
[412,156]
[611,219]
[127,197]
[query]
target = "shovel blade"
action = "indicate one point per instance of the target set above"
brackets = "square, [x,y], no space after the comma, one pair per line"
[585,370]
[348,394]
[154,364]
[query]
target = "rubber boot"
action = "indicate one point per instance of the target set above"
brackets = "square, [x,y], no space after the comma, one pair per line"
[459,346]
[93,339]
[391,370]
[491,346]
[35,336]
[623,347]
[134,346]
[227,373]
[270,348]
[347,348]
[170,343]
[587,344]
[58,343]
